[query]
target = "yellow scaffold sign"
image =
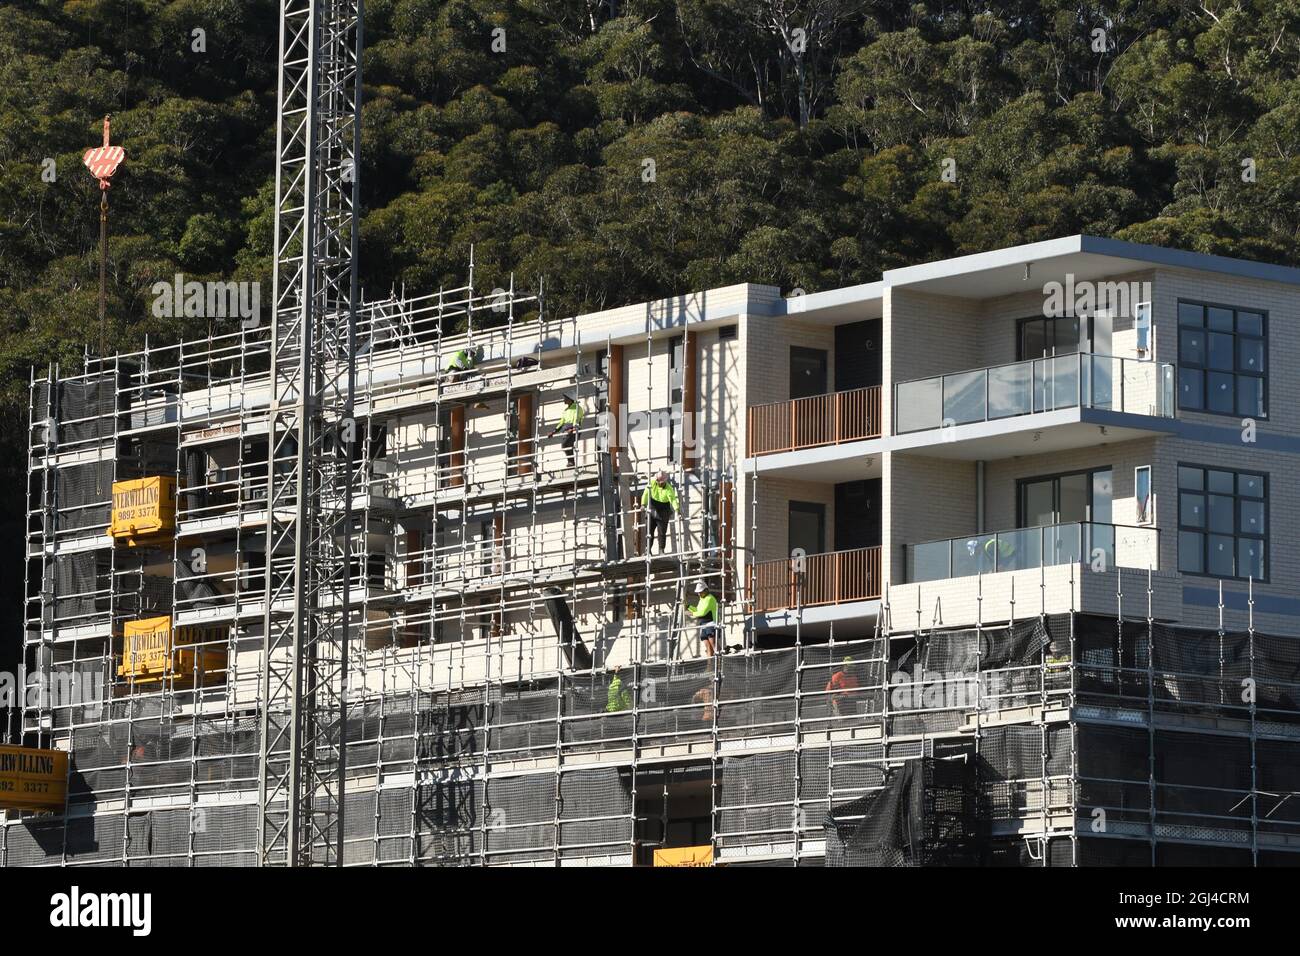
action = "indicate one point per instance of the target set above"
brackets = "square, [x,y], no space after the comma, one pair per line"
[685,856]
[143,507]
[32,779]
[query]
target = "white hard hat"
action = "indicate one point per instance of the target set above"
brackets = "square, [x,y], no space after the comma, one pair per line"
[700,587]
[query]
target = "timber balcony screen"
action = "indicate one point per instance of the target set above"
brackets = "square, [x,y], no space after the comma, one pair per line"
[813,421]
[831,578]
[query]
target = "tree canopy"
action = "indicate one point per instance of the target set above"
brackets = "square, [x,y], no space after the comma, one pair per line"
[626,149]
[629,149]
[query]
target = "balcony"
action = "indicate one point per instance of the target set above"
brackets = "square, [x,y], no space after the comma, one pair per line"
[835,577]
[1077,381]
[815,421]
[1112,546]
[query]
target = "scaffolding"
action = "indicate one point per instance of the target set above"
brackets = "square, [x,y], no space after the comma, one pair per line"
[523,685]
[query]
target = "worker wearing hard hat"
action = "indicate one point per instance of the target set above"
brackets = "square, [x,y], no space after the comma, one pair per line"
[460,363]
[569,423]
[660,502]
[840,687]
[706,610]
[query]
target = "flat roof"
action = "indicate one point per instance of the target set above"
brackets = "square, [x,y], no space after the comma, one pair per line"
[1002,271]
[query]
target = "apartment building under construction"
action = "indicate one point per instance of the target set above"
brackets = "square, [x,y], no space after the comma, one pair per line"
[1005,573]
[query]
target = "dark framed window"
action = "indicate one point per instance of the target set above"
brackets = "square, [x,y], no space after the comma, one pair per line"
[1043,337]
[1222,360]
[807,527]
[808,372]
[1222,522]
[1065,498]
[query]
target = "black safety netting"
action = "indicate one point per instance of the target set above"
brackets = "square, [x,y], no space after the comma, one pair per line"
[926,815]
[1113,851]
[1188,670]
[521,818]
[1198,667]
[80,585]
[756,800]
[1277,781]
[1203,784]
[1113,774]
[947,675]
[82,496]
[522,720]
[451,725]
[1110,657]
[843,685]
[757,694]
[595,716]
[1276,668]
[1202,780]
[447,820]
[595,813]
[86,409]
[1019,766]
[161,754]
[980,649]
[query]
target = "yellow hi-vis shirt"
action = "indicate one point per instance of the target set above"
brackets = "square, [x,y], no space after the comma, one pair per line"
[708,607]
[665,494]
[462,360]
[572,415]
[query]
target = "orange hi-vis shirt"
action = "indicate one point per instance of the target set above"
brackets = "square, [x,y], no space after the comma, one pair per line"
[842,680]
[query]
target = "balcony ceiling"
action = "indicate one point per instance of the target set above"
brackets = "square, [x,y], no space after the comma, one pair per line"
[851,461]
[1042,434]
[1002,271]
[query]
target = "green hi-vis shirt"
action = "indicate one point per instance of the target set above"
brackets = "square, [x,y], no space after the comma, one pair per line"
[708,607]
[617,697]
[460,360]
[665,494]
[572,415]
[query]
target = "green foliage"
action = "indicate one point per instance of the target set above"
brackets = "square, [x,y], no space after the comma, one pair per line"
[630,149]
[626,150]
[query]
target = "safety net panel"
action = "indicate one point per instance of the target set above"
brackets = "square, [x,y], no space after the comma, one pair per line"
[925,815]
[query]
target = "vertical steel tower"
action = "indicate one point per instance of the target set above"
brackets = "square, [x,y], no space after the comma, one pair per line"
[308,613]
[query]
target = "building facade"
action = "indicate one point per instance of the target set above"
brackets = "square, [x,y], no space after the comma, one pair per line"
[1001,547]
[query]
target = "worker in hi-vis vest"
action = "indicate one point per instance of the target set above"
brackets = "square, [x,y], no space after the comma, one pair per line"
[705,610]
[660,502]
[617,697]
[570,420]
[460,363]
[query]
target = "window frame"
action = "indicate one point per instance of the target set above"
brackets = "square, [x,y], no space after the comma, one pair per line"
[817,508]
[1237,535]
[1088,337]
[1204,367]
[1055,478]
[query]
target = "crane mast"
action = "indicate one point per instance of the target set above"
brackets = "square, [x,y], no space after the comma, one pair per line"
[309,611]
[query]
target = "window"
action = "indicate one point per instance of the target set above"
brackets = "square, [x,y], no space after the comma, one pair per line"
[1066,499]
[1222,522]
[807,372]
[1146,513]
[676,384]
[1222,354]
[807,527]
